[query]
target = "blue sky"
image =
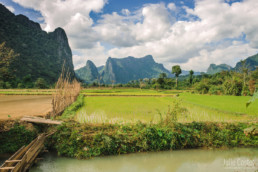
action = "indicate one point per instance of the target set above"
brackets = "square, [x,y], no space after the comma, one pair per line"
[191,33]
[111,6]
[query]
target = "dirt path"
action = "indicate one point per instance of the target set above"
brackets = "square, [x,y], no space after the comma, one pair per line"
[24,105]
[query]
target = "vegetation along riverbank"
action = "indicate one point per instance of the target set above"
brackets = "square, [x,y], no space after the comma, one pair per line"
[85,141]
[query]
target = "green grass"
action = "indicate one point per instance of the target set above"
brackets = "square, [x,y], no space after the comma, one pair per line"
[223,104]
[111,109]
[124,108]
[128,92]
[26,91]
[70,111]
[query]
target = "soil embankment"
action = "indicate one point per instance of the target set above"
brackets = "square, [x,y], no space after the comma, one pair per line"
[17,106]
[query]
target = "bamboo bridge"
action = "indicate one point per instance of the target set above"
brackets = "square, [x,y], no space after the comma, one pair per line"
[26,156]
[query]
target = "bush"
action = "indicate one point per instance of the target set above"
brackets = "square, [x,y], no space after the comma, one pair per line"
[245,91]
[8,85]
[233,86]
[40,83]
[202,88]
[15,138]
[20,85]
[86,141]
[218,90]
[1,84]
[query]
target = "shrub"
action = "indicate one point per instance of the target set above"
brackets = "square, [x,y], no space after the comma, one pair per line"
[233,86]
[86,141]
[202,88]
[251,86]
[41,83]
[8,85]
[173,113]
[2,84]
[15,138]
[245,91]
[20,85]
[218,90]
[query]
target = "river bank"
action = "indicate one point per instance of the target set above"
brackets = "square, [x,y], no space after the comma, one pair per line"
[82,141]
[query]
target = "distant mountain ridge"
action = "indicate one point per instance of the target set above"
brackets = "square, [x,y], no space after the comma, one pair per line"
[88,73]
[213,68]
[251,64]
[123,70]
[41,54]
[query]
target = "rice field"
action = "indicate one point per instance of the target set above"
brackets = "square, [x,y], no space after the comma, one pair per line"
[121,109]
[226,104]
[147,105]
[129,92]
[26,91]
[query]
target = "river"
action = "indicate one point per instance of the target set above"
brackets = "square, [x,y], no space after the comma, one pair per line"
[240,159]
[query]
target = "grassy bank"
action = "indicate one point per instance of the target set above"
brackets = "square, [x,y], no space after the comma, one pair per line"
[86,141]
[16,137]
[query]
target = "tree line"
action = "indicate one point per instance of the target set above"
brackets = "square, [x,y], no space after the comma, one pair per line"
[242,82]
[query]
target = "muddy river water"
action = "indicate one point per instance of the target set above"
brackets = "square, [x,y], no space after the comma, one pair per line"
[240,159]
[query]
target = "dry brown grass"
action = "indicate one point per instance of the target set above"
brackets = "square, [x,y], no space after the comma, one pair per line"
[66,92]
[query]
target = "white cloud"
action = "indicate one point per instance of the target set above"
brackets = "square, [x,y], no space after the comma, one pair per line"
[10,8]
[229,55]
[72,15]
[149,23]
[210,35]
[125,12]
[96,54]
[171,6]
[196,44]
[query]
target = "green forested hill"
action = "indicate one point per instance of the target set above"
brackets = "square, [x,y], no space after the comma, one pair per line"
[41,54]
[122,70]
[251,63]
[126,69]
[213,68]
[88,73]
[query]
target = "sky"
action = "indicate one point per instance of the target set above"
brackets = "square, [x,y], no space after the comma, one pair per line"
[189,33]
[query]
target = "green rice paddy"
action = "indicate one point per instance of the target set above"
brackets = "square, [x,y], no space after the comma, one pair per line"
[131,105]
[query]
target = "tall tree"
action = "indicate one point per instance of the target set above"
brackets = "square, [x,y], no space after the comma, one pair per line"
[177,71]
[244,70]
[7,56]
[163,75]
[191,72]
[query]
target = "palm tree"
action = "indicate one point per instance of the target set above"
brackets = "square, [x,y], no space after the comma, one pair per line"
[177,71]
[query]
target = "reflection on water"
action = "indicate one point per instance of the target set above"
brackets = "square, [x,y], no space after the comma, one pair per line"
[183,160]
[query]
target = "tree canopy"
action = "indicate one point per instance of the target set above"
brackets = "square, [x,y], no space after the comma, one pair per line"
[176,70]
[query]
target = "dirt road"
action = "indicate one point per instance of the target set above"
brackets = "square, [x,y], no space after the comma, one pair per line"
[13,106]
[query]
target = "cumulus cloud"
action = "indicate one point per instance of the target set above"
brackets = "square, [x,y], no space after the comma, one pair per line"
[96,54]
[150,23]
[10,8]
[208,33]
[210,39]
[125,12]
[229,55]
[72,15]
[172,6]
